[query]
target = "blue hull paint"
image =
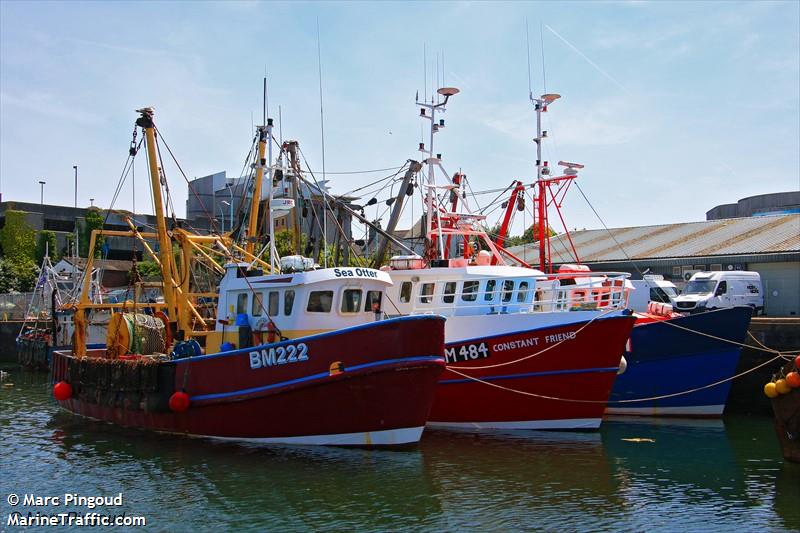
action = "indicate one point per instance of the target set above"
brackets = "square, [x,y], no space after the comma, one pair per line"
[665,360]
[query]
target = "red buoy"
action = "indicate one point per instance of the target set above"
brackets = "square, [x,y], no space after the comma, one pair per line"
[179,402]
[62,391]
[797,362]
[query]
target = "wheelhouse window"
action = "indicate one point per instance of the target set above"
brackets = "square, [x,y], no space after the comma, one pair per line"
[405,292]
[470,291]
[288,302]
[522,295]
[320,302]
[273,303]
[508,290]
[426,293]
[257,303]
[488,294]
[241,303]
[449,294]
[351,300]
[373,301]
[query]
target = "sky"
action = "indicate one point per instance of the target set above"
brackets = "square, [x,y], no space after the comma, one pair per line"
[673,107]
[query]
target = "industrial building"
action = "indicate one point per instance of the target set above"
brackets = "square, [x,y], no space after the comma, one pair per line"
[767,244]
[776,203]
[63,221]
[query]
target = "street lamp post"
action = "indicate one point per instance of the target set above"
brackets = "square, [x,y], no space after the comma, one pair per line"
[91,200]
[41,192]
[222,213]
[230,205]
[75,168]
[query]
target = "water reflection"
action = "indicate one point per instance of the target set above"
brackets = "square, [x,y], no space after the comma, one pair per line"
[289,487]
[693,475]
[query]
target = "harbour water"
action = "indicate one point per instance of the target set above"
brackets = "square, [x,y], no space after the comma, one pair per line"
[632,475]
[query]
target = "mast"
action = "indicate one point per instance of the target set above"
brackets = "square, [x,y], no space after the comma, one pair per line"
[264,139]
[145,121]
[540,105]
[413,168]
[432,161]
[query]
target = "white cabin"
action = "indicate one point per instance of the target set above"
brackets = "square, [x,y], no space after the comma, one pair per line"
[298,303]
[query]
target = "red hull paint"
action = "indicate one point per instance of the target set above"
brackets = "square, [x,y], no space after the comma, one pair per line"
[391,370]
[582,368]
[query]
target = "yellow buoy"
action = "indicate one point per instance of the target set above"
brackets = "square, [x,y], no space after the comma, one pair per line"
[770,390]
[782,386]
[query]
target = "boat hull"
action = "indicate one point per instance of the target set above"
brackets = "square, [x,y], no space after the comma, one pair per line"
[786,408]
[576,361]
[381,396]
[664,360]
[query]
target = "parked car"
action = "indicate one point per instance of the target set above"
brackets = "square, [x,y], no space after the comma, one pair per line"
[713,290]
[652,288]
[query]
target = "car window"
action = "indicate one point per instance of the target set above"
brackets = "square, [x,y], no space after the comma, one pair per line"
[722,288]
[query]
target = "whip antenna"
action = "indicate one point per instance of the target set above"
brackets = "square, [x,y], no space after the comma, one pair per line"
[541,43]
[322,134]
[528,43]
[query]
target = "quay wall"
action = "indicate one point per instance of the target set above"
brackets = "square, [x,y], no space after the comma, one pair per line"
[747,396]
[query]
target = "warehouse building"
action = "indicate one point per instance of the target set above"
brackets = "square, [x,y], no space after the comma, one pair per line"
[767,244]
[63,221]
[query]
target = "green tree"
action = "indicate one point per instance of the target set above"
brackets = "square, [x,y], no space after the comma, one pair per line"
[17,237]
[46,243]
[148,269]
[92,221]
[18,274]
[528,236]
[284,242]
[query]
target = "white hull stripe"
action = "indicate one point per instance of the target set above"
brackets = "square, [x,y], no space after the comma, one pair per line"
[569,423]
[689,410]
[385,437]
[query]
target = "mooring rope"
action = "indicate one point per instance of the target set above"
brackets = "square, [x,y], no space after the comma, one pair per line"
[530,356]
[785,355]
[634,400]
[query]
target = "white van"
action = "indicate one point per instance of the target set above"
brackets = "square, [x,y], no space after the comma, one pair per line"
[712,290]
[653,288]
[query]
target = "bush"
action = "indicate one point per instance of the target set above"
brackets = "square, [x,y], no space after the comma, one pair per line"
[18,274]
[17,237]
[46,243]
[92,221]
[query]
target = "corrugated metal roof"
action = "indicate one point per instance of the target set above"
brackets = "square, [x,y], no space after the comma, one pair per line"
[733,236]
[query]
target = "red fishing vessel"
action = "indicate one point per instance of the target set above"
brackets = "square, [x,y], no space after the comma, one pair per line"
[295,357]
[525,349]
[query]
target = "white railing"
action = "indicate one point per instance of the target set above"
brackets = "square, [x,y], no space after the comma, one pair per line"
[603,291]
